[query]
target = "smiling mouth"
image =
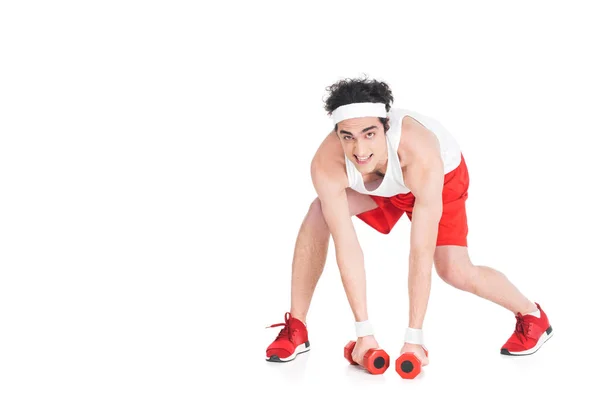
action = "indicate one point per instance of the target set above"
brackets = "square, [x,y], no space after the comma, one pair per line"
[363,160]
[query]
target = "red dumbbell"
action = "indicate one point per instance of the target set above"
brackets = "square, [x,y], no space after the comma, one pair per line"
[408,366]
[376,361]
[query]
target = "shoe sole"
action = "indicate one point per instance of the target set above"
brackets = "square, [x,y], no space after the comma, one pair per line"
[303,348]
[545,336]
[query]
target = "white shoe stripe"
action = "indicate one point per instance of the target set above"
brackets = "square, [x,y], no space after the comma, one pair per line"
[535,348]
[303,348]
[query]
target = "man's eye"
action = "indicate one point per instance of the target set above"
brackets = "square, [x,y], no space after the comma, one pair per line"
[370,134]
[347,137]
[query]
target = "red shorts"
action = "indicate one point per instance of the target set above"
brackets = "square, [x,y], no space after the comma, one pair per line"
[452,229]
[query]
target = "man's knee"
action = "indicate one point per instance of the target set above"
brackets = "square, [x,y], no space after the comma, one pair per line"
[315,207]
[445,270]
[454,273]
[315,212]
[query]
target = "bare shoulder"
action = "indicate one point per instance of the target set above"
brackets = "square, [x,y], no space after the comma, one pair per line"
[422,163]
[417,143]
[328,166]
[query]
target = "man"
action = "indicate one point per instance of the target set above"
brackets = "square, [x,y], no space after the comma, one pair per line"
[377,164]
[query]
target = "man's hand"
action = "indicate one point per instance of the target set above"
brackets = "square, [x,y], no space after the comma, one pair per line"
[363,344]
[418,351]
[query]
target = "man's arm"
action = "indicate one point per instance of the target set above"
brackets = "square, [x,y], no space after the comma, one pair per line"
[426,176]
[330,181]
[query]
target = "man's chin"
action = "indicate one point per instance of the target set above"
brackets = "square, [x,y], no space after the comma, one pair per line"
[365,169]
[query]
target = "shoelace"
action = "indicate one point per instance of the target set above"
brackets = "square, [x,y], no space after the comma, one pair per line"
[285,332]
[522,328]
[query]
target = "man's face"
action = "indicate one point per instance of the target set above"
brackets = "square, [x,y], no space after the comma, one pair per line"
[364,143]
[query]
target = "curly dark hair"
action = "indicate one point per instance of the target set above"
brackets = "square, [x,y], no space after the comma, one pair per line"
[359,90]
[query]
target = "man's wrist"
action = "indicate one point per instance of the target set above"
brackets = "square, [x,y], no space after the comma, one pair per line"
[414,336]
[363,328]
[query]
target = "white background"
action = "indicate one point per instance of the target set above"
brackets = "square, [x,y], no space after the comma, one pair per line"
[154,172]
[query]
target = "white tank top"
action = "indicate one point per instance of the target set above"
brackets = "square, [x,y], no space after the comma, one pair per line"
[393,181]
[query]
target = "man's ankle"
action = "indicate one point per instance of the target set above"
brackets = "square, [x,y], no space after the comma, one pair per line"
[530,309]
[299,317]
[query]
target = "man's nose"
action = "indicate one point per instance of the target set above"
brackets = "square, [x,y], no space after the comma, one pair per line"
[361,148]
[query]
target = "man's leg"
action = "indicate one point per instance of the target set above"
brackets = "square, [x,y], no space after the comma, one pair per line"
[532,328]
[454,266]
[311,248]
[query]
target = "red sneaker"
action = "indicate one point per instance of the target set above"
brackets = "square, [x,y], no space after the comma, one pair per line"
[529,335]
[291,340]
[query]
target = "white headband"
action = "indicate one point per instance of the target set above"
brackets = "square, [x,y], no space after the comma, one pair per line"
[358,110]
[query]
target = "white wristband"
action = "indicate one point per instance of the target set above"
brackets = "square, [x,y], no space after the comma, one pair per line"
[414,336]
[363,328]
